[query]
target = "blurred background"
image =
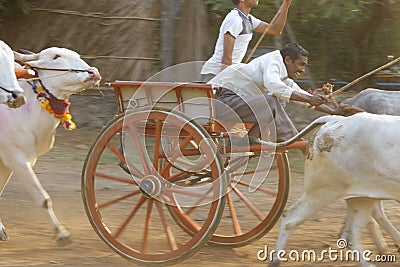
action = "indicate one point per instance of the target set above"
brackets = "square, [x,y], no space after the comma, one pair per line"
[132,40]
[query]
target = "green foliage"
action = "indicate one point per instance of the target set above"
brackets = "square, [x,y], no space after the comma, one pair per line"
[345,38]
[219,5]
[8,7]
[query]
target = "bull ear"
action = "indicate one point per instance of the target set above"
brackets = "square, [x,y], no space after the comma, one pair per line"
[24,57]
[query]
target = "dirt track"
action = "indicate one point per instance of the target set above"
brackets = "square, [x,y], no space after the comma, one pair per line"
[32,243]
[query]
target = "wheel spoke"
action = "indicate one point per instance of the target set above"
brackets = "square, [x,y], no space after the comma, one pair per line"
[147,225]
[121,157]
[235,221]
[167,229]
[201,198]
[115,178]
[270,192]
[184,192]
[179,176]
[127,203]
[157,145]
[114,201]
[248,203]
[140,149]
[250,172]
[173,157]
[270,175]
[129,218]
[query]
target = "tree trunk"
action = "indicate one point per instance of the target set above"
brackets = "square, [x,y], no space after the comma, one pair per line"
[167,32]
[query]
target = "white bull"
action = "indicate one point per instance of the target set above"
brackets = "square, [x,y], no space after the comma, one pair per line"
[348,158]
[10,91]
[30,130]
[378,102]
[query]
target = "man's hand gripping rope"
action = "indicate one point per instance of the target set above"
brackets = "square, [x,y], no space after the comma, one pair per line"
[340,109]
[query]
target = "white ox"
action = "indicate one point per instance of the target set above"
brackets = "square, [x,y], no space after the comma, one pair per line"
[378,102]
[352,158]
[31,129]
[10,91]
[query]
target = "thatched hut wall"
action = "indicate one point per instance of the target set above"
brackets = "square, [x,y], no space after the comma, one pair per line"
[121,38]
[86,27]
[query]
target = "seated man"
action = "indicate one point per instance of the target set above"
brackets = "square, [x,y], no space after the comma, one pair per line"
[256,93]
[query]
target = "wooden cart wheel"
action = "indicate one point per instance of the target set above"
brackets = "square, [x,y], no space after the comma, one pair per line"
[136,170]
[258,189]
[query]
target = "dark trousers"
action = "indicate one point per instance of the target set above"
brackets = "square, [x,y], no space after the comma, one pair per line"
[265,111]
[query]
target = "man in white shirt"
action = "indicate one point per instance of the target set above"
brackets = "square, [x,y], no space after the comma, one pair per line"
[236,32]
[256,92]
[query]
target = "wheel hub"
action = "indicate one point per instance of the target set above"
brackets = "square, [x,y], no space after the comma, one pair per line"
[151,186]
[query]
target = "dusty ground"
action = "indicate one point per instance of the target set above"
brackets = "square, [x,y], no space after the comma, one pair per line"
[31,240]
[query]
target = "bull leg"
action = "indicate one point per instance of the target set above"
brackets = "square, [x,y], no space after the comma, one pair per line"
[5,175]
[360,208]
[379,215]
[347,225]
[3,233]
[31,182]
[372,227]
[296,214]
[377,236]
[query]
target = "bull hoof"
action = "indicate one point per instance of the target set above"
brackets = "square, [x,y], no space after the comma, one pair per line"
[63,237]
[3,233]
[64,241]
[274,264]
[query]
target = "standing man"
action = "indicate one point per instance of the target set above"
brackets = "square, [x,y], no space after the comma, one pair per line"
[235,34]
[256,93]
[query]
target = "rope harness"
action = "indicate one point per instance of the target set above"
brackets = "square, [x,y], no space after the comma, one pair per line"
[8,91]
[65,71]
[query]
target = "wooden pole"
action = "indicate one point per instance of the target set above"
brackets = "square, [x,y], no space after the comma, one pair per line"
[264,33]
[363,77]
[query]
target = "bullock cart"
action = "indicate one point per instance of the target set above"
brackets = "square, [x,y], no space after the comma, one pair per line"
[162,178]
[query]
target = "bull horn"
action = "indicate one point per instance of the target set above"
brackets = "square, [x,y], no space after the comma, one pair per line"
[24,57]
[26,51]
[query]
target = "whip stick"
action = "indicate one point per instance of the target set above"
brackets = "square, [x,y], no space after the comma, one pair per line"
[363,77]
[264,33]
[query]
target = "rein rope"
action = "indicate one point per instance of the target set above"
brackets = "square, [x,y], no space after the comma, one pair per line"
[327,89]
[65,71]
[6,90]
[45,77]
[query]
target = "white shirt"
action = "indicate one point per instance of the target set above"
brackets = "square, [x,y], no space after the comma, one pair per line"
[266,74]
[233,23]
